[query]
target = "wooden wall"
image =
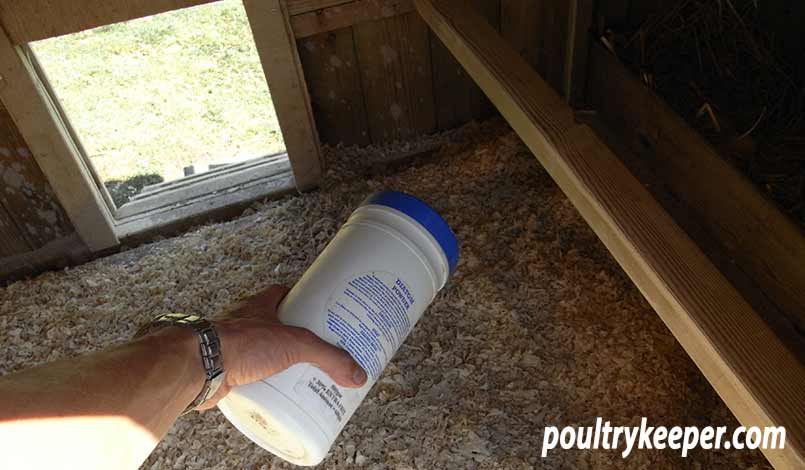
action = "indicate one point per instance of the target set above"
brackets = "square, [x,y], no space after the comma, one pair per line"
[31,219]
[627,15]
[374,71]
[382,76]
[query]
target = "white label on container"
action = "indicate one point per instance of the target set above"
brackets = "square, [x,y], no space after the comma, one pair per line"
[369,316]
[328,400]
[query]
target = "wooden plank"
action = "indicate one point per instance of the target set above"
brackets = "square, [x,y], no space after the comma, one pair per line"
[216,182]
[579,37]
[760,240]
[756,376]
[297,7]
[55,254]
[334,82]
[395,66]
[286,82]
[22,93]
[204,209]
[32,20]
[348,14]
[457,98]
[26,193]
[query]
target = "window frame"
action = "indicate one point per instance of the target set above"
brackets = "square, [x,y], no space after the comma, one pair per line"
[30,100]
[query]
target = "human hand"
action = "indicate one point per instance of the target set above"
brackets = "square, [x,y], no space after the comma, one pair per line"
[255,345]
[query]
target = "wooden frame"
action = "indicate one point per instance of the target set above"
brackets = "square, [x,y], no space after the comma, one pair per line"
[38,120]
[33,20]
[756,376]
[283,70]
[59,153]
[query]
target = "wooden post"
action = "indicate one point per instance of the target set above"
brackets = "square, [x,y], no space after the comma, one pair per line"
[277,49]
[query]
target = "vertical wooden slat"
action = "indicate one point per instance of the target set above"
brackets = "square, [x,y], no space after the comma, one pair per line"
[395,65]
[520,21]
[553,35]
[276,47]
[579,37]
[25,193]
[538,30]
[333,79]
[458,99]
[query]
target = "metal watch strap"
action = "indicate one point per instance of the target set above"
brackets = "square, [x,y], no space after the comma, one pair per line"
[209,347]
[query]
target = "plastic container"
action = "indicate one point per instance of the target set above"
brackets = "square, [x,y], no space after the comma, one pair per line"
[364,293]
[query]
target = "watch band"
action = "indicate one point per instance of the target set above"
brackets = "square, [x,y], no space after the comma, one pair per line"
[209,348]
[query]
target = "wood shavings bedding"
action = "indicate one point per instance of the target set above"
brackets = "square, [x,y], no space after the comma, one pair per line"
[539,326]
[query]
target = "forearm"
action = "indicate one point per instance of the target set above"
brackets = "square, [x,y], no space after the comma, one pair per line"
[126,398]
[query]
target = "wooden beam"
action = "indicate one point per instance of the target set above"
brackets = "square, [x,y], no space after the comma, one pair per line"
[31,109]
[286,82]
[760,240]
[756,376]
[33,20]
[297,7]
[348,14]
[54,254]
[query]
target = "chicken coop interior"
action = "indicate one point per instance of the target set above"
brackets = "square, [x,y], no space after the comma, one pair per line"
[626,180]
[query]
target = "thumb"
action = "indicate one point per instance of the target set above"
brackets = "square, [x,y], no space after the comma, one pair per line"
[334,361]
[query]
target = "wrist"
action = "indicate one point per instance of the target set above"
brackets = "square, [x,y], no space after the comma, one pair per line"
[173,340]
[177,345]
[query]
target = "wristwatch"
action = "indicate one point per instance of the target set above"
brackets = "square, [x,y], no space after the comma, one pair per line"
[209,347]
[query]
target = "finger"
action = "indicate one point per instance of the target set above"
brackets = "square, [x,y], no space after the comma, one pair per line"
[260,305]
[273,297]
[334,361]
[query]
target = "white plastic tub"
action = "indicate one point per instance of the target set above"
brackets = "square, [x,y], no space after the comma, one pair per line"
[364,293]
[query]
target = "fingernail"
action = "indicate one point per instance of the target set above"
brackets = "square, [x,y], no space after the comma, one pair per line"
[359,376]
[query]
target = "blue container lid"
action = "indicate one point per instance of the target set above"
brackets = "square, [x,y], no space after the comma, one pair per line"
[425,215]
